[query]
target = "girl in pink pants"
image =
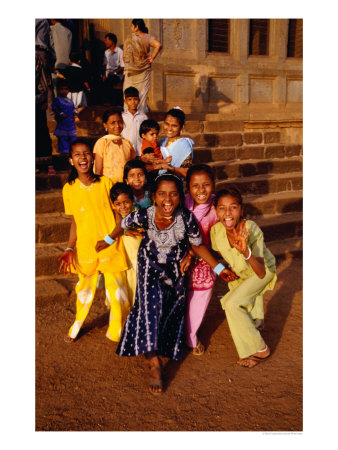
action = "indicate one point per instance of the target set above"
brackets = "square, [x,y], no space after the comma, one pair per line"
[199,200]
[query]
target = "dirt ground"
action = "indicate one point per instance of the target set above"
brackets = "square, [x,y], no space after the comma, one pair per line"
[85,386]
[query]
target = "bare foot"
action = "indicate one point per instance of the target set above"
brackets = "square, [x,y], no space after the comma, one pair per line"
[68,339]
[155,380]
[253,360]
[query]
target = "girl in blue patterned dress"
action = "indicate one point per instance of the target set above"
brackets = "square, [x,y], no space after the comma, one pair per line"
[155,325]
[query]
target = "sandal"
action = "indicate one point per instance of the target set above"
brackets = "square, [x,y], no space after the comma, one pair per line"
[68,339]
[253,360]
[155,382]
[199,349]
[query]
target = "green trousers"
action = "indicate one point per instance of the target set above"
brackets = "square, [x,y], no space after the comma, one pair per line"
[239,305]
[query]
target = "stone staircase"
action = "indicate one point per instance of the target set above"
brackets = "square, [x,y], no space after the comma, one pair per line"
[259,158]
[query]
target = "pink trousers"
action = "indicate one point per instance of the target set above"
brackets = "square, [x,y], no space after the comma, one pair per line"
[198,302]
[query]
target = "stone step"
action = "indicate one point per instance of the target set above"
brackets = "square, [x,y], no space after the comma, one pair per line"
[56,288]
[246,168]
[264,184]
[203,154]
[275,228]
[52,227]
[44,182]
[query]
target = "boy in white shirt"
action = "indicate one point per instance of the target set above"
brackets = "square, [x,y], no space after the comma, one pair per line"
[114,67]
[133,118]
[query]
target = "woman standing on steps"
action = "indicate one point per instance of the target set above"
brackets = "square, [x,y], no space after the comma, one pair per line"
[137,60]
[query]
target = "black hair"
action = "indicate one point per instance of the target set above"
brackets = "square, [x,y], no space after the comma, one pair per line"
[112,37]
[147,125]
[200,168]
[110,112]
[140,24]
[169,177]
[178,113]
[134,164]
[60,82]
[75,57]
[121,188]
[229,190]
[73,173]
[131,91]
[148,151]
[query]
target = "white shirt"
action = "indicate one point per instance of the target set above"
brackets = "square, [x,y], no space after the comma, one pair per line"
[113,60]
[132,127]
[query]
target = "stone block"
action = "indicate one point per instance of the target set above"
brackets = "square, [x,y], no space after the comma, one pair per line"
[230,139]
[223,125]
[253,138]
[250,152]
[274,151]
[293,150]
[272,137]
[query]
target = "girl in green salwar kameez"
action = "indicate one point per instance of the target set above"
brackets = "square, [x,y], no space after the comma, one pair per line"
[241,244]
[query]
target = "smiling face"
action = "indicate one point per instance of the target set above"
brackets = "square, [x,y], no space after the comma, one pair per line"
[151,135]
[82,159]
[114,124]
[136,179]
[229,211]
[166,198]
[132,103]
[171,127]
[200,187]
[123,204]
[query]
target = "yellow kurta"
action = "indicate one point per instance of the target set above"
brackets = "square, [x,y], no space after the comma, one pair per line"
[92,210]
[114,156]
[243,304]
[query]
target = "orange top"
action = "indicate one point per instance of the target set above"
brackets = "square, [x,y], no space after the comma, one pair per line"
[154,145]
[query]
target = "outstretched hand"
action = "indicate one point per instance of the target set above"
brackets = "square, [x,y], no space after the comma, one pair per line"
[67,260]
[240,237]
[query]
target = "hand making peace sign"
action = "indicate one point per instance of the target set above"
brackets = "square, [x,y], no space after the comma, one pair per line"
[240,236]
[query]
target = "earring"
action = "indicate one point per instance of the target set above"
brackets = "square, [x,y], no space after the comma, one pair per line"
[106,130]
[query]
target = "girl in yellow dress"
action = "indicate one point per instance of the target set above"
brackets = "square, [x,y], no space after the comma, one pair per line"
[86,199]
[241,244]
[112,151]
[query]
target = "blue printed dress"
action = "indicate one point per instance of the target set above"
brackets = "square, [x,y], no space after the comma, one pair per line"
[156,322]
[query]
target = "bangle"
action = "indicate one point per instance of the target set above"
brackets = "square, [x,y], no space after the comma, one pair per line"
[69,249]
[248,248]
[109,240]
[218,269]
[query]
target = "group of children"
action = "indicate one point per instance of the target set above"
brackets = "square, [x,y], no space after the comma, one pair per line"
[151,242]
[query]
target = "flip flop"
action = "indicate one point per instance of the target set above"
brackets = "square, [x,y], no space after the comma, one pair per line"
[253,360]
[199,349]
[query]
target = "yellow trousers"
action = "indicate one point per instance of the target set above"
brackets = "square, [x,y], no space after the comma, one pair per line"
[241,312]
[116,294]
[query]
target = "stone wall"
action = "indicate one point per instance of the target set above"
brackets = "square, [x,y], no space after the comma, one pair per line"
[235,84]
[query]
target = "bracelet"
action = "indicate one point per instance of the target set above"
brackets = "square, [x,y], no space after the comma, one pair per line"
[69,249]
[109,240]
[249,254]
[218,269]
